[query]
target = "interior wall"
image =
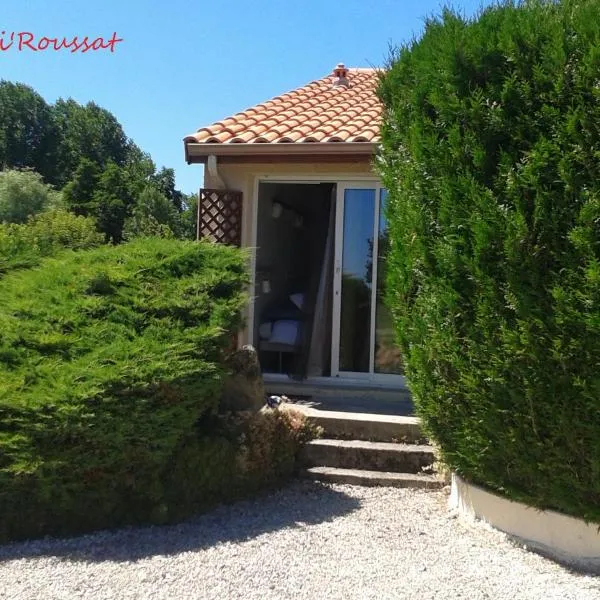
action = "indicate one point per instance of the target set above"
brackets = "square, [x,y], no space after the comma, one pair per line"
[274,251]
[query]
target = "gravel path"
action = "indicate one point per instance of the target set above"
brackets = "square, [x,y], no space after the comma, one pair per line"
[306,541]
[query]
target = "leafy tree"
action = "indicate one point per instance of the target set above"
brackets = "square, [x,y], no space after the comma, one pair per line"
[78,194]
[140,168]
[113,200]
[153,215]
[189,216]
[23,194]
[28,134]
[71,145]
[164,180]
[87,132]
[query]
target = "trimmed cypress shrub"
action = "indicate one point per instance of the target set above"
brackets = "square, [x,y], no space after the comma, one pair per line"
[110,358]
[491,155]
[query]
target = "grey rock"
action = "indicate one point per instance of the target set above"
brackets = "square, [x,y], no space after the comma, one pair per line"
[244,389]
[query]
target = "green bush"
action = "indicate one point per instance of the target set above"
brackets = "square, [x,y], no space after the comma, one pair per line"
[24,194]
[231,456]
[109,359]
[491,155]
[46,234]
[153,215]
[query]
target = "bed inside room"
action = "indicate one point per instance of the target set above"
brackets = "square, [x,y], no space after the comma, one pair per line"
[294,273]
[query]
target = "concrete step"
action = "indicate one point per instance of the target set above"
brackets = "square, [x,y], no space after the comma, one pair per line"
[373,478]
[371,456]
[364,426]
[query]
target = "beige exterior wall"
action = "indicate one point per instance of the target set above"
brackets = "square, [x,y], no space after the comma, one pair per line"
[244,177]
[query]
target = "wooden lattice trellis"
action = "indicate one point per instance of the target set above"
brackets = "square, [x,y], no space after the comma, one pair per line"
[220,216]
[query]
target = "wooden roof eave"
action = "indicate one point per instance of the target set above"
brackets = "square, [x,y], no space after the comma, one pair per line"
[280,152]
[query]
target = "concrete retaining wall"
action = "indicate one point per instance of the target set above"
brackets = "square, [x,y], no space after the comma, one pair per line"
[557,536]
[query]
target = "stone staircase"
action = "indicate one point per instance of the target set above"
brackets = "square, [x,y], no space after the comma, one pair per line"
[370,450]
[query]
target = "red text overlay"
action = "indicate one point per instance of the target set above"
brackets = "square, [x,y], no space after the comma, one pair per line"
[25,41]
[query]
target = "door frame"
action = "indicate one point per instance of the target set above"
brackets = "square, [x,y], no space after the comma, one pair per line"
[365,180]
[341,187]
[252,212]
[371,375]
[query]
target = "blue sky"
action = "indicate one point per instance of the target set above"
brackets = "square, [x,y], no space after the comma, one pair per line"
[186,63]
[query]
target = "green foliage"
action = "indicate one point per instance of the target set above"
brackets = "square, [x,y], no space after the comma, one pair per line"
[23,246]
[491,155]
[113,199]
[78,194]
[54,139]
[87,132]
[189,217]
[139,167]
[153,215]
[109,360]
[28,133]
[84,150]
[23,194]
[164,181]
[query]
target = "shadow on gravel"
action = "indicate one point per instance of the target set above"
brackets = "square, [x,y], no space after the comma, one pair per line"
[302,503]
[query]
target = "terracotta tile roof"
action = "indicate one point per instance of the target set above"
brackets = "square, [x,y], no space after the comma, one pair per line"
[341,107]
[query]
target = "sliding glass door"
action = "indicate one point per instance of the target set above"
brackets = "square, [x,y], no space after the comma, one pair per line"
[363,338]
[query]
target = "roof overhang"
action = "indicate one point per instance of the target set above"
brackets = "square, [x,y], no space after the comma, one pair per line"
[281,152]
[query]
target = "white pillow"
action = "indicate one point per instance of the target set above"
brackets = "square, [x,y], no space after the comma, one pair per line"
[284,332]
[298,300]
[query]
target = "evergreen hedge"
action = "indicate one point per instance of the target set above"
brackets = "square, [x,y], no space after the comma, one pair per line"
[491,155]
[111,360]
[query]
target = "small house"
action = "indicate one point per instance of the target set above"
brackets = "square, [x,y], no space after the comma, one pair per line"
[291,179]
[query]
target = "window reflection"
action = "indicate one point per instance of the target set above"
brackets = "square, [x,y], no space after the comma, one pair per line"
[355,326]
[388,358]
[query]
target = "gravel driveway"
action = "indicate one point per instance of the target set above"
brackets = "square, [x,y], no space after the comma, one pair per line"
[306,541]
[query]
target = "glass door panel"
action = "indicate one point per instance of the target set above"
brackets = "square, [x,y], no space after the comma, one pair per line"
[356,282]
[387,358]
[363,333]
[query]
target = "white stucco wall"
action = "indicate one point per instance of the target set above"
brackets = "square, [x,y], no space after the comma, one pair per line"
[564,538]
